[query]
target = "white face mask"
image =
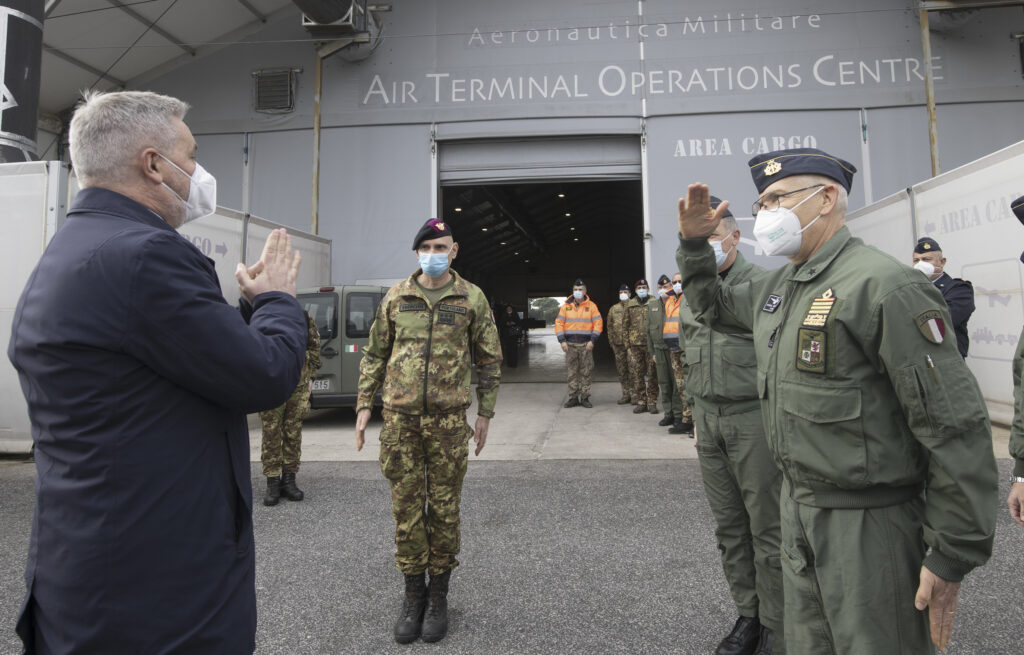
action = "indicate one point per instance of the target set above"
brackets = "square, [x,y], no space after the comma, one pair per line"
[778,231]
[925,267]
[578,295]
[661,293]
[678,288]
[720,255]
[623,296]
[202,192]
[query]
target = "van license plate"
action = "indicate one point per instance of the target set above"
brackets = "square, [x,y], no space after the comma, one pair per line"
[322,385]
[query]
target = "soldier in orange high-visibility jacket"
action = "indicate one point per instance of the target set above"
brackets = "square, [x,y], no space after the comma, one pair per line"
[577,328]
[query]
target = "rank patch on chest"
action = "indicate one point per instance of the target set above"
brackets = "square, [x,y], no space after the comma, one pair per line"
[772,304]
[821,307]
[412,307]
[445,318]
[810,350]
[931,325]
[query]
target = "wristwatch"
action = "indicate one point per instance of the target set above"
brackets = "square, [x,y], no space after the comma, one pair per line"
[1016,479]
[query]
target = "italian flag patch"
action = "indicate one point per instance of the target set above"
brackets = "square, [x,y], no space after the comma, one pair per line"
[931,325]
[354,348]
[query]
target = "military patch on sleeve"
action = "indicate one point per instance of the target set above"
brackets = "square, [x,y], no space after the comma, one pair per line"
[931,325]
[412,307]
[810,350]
[772,304]
[821,307]
[451,308]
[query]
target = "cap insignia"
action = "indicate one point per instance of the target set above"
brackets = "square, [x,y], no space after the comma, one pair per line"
[772,167]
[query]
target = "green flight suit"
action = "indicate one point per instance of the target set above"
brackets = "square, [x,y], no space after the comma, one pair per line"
[1017,430]
[421,353]
[656,345]
[741,481]
[866,400]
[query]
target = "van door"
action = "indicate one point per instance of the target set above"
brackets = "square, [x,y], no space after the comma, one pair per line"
[323,307]
[360,309]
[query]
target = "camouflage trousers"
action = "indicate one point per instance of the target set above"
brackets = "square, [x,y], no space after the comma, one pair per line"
[580,364]
[622,368]
[676,357]
[425,458]
[282,434]
[643,379]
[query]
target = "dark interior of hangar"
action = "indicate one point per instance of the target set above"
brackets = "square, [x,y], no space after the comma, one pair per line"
[519,241]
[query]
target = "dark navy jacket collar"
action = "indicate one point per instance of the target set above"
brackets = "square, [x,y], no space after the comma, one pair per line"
[942,280]
[97,200]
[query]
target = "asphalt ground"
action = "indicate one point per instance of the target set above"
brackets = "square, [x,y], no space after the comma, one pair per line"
[559,556]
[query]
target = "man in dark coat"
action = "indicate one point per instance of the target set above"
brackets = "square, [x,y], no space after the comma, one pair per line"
[958,293]
[138,377]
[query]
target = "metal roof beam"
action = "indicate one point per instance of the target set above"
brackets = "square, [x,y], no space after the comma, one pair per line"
[253,10]
[941,5]
[153,26]
[59,54]
[50,6]
[513,210]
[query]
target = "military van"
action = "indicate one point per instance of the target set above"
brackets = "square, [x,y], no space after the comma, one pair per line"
[343,314]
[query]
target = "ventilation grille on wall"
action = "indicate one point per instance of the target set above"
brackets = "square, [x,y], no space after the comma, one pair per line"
[274,90]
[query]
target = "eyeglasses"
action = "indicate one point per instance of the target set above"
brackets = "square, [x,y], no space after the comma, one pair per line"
[770,201]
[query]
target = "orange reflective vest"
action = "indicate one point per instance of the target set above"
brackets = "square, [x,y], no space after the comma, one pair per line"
[670,329]
[578,323]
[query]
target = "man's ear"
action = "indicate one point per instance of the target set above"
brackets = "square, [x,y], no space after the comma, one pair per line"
[147,161]
[455,249]
[830,195]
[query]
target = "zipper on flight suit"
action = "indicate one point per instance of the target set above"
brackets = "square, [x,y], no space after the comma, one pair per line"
[773,361]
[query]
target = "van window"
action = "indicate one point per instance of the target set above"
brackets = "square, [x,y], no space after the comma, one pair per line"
[323,307]
[360,311]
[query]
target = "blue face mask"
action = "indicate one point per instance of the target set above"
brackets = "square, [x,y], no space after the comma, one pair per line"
[720,255]
[434,264]
[641,293]
[578,295]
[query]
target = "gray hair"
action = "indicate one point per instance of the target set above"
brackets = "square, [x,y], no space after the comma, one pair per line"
[842,197]
[730,223]
[109,129]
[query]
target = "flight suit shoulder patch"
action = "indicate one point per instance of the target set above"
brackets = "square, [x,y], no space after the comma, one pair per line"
[931,325]
[771,303]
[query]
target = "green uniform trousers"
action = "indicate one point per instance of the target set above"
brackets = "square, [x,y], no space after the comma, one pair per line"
[676,358]
[643,378]
[281,446]
[425,458]
[850,576]
[742,485]
[670,398]
[622,368]
[579,364]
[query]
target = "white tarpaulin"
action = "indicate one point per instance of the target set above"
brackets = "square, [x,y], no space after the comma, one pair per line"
[967,210]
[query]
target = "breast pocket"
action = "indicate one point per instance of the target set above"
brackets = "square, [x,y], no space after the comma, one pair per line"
[823,432]
[739,372]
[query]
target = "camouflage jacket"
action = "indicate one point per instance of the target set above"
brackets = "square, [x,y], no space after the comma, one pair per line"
[635,323]
[421,354]
[616,324]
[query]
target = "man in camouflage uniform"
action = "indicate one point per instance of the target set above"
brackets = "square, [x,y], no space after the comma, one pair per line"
[282,429]
[641,365]
[674,339]
[428,330]
[617,339]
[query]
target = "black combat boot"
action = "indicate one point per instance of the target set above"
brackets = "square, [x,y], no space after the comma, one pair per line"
[678,427]
[288,488]
[665,420]
[435,623]
[743,639]
[764,645]
[273,492]
[640,409]
[410,621]
[572,402]
[585,402]
[652,408]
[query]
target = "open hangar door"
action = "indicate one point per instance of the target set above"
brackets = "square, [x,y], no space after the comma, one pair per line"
[532,215]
